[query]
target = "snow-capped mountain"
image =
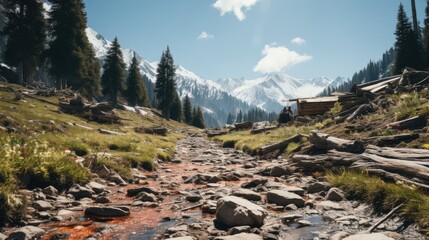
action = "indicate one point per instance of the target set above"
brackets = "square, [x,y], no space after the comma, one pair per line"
[271,91]
[215,102]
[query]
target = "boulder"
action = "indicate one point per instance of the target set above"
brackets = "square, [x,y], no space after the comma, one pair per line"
[335,194]
[41,205]
[146,197]
[107,211]
[241,236]
[318,187]
[247,194]
[369,236]
[80,192]
[134,191]
[96,187]
[278,171]
[284,198]
[26,233]
[233,211]
[50,191]
[114,177]
[293,189]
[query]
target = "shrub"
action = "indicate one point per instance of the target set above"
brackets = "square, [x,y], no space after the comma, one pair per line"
[337,108]
[80,148]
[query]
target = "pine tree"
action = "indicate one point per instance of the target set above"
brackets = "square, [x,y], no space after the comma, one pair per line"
[187,110]
[25,32]
[198,120]
[426,35]
[239,117]
[2,23]
[176,112]
[407,45]
[136,90]
[230,119]
[165,85]
[70,54]
[113,78]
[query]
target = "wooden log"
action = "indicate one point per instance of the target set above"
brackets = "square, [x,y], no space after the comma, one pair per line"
[279,145]
[389,215]
[40,99]
[416,122]
[261,130]
[394,177]
[327,142]
[81,126]
[104,131]
[243,125]
[347,112]
[216,133]
[394,139]
[361,110]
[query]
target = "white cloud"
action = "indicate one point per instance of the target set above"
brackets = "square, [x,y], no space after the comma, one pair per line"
[276,58]
[235,6]
[205,35]
[298,41]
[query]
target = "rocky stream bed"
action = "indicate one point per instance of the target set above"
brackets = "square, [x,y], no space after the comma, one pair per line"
[205,192]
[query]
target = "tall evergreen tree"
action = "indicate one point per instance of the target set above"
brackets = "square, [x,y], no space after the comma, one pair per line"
[187,110]
[70,54]
[136,90]
[426,35]
[113,78]
[230,119]
[407,46]
[198,120]
[165,85]
[176,111]
[239,117]
[2,23]
[25,32]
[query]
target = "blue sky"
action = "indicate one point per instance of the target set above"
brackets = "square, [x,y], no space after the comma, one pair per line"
[331,37]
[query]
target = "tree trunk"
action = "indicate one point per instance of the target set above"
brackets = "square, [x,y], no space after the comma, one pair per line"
[415,24]
[20,73]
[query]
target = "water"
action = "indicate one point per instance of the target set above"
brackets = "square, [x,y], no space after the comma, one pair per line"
[307,233]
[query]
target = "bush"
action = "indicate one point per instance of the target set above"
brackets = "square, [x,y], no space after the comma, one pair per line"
[337,108]
[123,147]
[80,148]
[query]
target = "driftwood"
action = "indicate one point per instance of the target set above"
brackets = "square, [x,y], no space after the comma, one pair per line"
[104,131]
[394,139]
[216,133]
[361,110]
[416,122]
[327,142]
[279,145]
[261,130]
[152,130]
[243,125]
[389,215]
[192,207]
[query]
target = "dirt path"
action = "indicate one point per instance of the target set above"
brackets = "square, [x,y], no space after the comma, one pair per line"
[187,189]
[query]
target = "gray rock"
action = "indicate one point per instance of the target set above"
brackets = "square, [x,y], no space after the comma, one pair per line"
[182,238]
[50,191]
[339,235]
[278,171]
[290,218]
[26,233]
[291,207]
[2,236]
[134,191]
[146,197]
[369,236]
[303,223]
[254,183]
[114,177]
[234,211]
[318,187]
[96,187]
[43,215]
[107,211]
[181,228]
[241,236]
[80,192]
[41,205]
[193,198]
[335,194]
[239,229]
[284,198]
[329,205]
[293,189]
[247,194]
[102,199]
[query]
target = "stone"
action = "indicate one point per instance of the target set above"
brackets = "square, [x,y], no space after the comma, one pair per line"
[335,194]
[146,197]
[96,187]
[181,228]
[318,187]
[80,192]
[193,198]
[182,238]
[114,177]
[369,236]
[107,211]
[234,211]
[291,207]
[50,191]
[239,229]
[41,205]
[284,198]
[241,236]
[303,223]
[134,191]
[291,218]
[329,205]
[254,183]
[26,233]
[339,235]
[2,236]
[102,199]
[278,171]
[247,194]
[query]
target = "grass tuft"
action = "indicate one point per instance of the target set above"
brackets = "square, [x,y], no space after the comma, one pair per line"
[384,196]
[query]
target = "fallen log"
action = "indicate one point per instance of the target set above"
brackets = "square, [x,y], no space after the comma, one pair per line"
[261,130]
[327,142]
[389,215]
[394,177]
[416,122]
[40,99]
[104,131]
[216,133]
[152,130]
[361,110]
[394,139]
[279,145]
